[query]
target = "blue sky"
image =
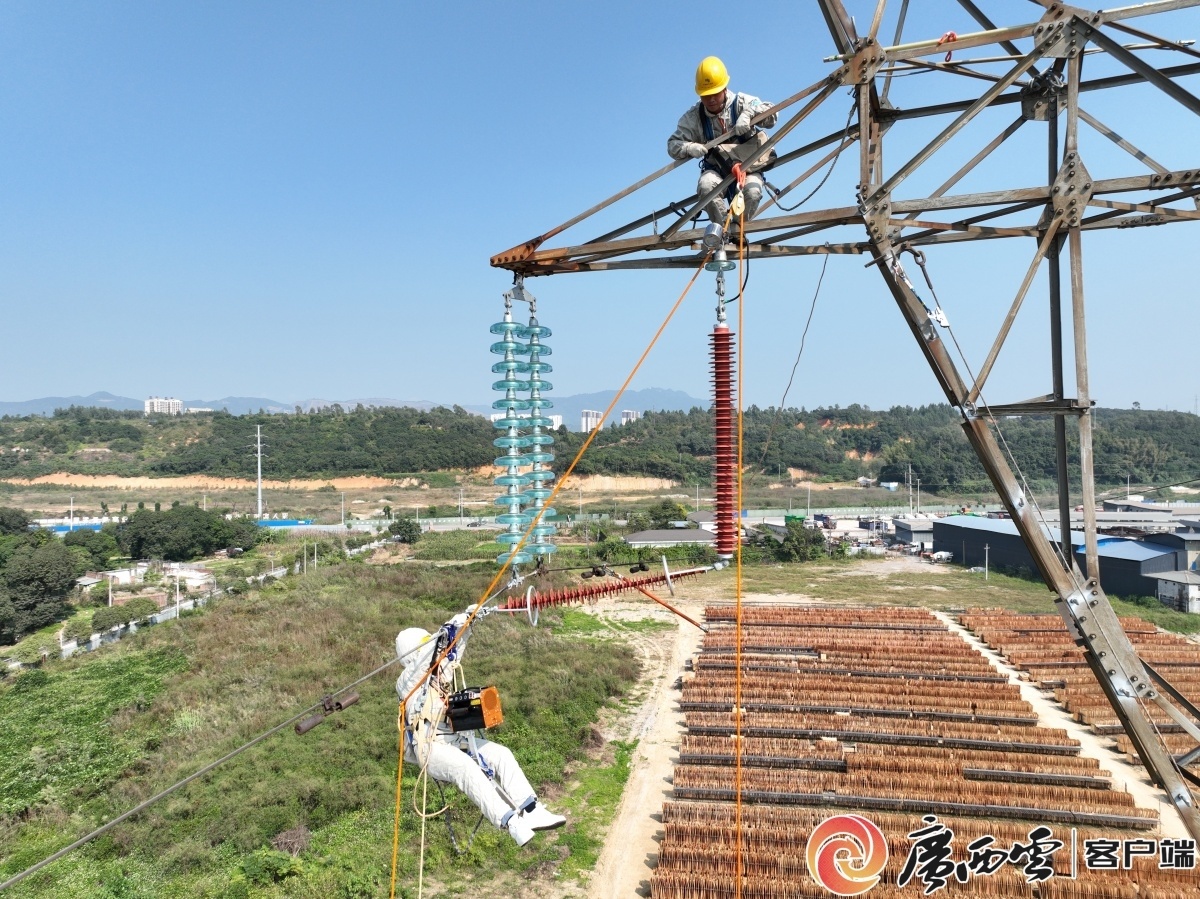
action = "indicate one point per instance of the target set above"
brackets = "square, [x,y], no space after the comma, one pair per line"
[299,200]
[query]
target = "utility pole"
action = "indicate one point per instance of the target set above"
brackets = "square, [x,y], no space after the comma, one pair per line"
[985,561]
[460,505]
[71,518]
[343,510]
[258,455]
[908,481]
[918,496]
[586,538]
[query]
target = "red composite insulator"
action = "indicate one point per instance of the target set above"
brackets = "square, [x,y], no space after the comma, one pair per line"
[725,462]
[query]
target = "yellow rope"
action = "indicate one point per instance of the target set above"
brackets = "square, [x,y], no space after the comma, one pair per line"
[424,818]
[741,365]
[400,722]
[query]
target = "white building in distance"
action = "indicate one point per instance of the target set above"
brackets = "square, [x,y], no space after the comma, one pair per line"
[589,420]
[628,416]
[164,405]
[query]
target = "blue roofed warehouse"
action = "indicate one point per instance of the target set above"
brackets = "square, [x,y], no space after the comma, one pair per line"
[1127,567]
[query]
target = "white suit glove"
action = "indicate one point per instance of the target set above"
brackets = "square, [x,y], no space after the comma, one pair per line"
[742,126]
[694,150]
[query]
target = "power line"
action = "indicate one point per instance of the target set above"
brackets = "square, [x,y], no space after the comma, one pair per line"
[187,780]
[803,337]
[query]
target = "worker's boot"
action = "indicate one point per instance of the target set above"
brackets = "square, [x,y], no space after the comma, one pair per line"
[541,818]
[519,829]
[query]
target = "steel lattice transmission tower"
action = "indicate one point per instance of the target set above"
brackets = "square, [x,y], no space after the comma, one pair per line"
[1033,71]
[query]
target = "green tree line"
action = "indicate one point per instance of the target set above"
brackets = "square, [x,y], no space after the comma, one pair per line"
[38,570]
[832,444]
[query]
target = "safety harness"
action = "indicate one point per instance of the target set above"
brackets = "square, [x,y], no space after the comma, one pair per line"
[725,162]
[433,692]
[714,161]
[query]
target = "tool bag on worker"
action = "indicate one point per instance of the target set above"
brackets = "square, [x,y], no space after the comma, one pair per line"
[475,708]
[749,153]
[747,150]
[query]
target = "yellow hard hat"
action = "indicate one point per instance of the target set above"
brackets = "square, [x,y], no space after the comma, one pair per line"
[711,76]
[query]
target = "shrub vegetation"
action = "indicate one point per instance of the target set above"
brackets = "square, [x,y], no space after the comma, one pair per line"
[90,737]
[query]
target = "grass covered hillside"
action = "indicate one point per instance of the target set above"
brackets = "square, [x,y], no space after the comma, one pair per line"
[830,444]
[86,739]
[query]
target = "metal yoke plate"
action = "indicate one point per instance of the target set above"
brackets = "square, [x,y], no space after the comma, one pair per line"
[864,65]
[1071,190]
[1041,95]
[876,212]
[1062,23]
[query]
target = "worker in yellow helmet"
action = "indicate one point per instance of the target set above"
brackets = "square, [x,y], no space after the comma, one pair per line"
[720,112]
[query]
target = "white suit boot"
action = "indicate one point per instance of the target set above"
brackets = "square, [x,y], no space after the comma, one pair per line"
[541,818]
[519,830]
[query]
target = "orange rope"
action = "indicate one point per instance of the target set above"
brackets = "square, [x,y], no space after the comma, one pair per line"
[557,487]
[662,602]
[533,524]
[741,358]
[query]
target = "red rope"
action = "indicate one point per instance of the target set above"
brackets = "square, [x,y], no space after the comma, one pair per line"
[947,38]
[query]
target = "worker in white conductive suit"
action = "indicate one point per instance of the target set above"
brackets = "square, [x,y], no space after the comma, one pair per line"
[486,772]
[722,111]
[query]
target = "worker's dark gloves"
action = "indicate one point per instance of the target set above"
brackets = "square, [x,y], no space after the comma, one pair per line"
[694,150]
[742,126]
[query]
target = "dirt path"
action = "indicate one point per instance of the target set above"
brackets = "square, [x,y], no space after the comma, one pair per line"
[1131,778]
[201,482]
[631,850]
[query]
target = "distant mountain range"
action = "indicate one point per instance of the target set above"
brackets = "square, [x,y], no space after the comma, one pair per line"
[569,407]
